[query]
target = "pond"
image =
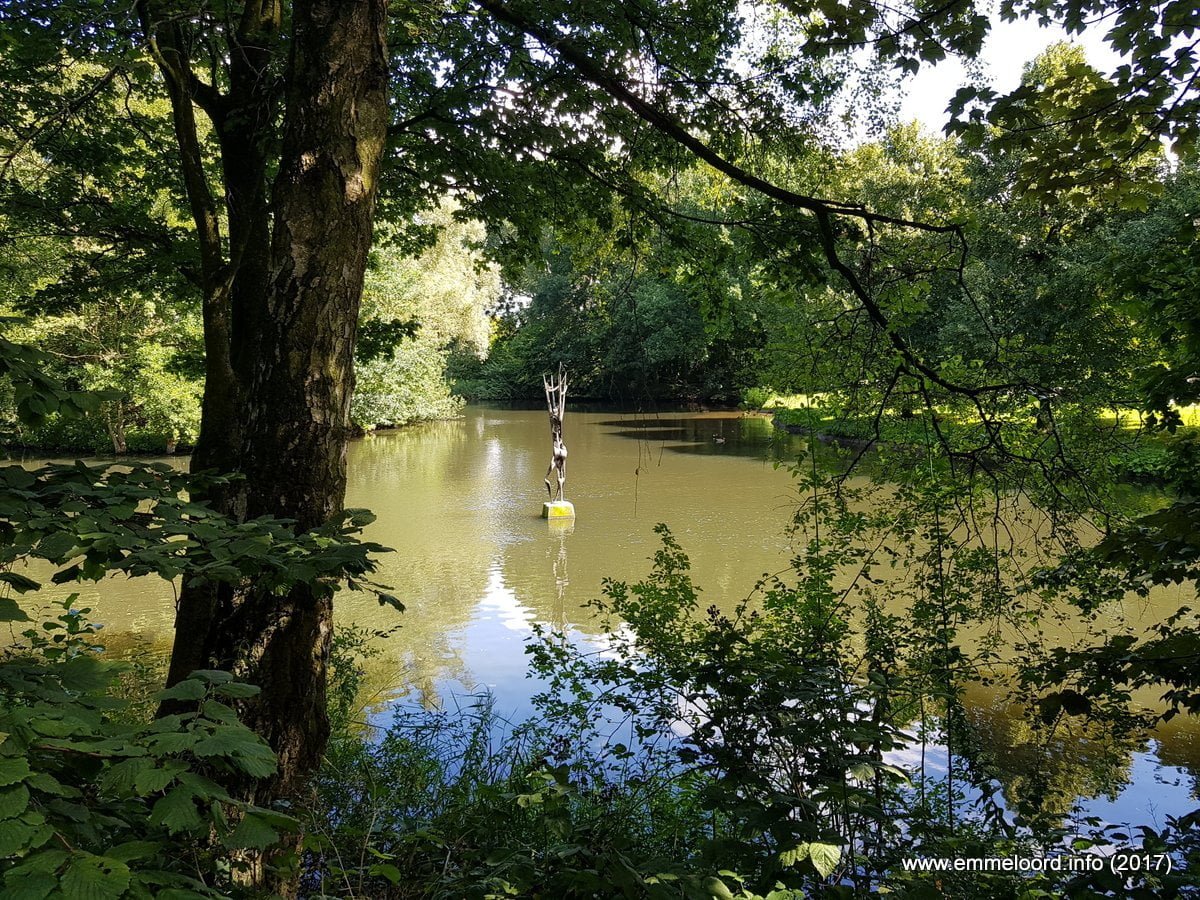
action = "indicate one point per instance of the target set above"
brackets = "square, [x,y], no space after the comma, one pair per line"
[477,567]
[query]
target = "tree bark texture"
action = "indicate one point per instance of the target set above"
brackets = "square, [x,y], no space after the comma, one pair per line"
[281,309]
[301,372]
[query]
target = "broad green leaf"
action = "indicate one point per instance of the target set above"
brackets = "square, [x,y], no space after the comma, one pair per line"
[13,801]
[212,676]
[134,850]
[119,778]
[173,742]
[715,887]
[15,838]
[188,689]
[150,781]
[386,870]
[238,690]
[85,673]
[177,811]
[13,769]
[252,832]
[48,784]
[29,885]
[91,877]
[825,857]
[799,853]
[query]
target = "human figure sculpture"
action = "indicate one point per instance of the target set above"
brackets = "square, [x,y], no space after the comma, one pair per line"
[556,403]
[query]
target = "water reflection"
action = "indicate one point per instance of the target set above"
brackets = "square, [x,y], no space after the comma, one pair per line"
[1051,777]
[477,567]
[560,530]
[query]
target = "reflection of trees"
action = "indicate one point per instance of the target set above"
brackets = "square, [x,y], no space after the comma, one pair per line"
[561,531]
[1044,768]
[726,434]
[424,485]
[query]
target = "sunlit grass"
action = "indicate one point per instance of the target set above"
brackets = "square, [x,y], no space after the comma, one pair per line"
[793,401]
[1132,419]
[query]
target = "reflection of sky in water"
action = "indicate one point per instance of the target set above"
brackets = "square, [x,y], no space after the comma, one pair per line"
[477,568]
[494,641]
[1153,792]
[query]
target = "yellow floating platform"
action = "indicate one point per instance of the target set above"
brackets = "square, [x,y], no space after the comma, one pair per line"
[559,509]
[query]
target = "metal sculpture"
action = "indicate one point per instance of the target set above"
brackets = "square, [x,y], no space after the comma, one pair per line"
[556,404]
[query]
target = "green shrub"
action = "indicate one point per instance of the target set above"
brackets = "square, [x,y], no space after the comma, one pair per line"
[98,803]
[1146,462]
[755,398]
[73,434]
[407,385]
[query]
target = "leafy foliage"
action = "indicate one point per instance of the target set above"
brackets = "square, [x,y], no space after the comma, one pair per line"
[96,805]
[94,520]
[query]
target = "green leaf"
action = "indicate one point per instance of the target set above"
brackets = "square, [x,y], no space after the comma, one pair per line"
[188,689]
[252,832]
[48,784]
[238,690]
[173,742]
[717,888]
[13,769]
[151,781]
[91,877]
[44,862]
[13,801]
[386,870]
[29,885]
[257,762]
[242,746]
[793,856]
[134,850]
[58,546]
[177,812]
[825,857]
[119,778]
[15,838]
[861,771]
[212,676]
[85,673]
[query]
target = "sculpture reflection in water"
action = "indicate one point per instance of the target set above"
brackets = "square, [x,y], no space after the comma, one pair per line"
[561,528]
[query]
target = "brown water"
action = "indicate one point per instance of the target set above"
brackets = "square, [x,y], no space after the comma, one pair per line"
[477,566]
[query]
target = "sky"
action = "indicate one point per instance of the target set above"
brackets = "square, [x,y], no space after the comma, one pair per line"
[1008,48]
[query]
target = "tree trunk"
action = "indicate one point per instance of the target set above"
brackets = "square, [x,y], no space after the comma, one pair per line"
[114,423]
[298,393]
[281,346]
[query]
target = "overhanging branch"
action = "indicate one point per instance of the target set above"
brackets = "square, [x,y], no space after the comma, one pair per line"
[823,210]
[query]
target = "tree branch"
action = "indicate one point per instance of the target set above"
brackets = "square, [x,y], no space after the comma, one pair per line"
[823,210]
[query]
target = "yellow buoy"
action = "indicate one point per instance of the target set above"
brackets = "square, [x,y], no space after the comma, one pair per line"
[558,509]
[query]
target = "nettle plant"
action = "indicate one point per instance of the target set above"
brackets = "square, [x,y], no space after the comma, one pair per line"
[96,801]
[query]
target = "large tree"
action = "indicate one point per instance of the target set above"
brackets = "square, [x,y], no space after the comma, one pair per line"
[274,152]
